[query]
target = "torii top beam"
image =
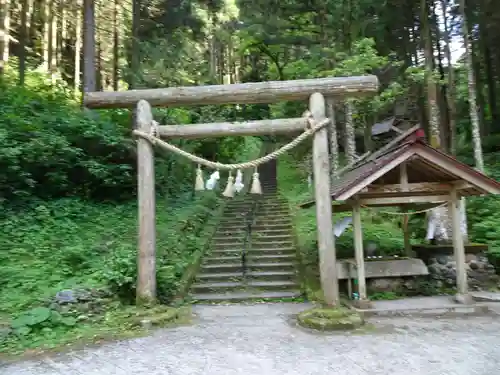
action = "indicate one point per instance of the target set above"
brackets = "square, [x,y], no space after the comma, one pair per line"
[241,93]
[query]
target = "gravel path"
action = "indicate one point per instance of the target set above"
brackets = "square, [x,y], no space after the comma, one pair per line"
[261,340]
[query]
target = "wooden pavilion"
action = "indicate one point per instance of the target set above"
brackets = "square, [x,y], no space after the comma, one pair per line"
[408,173]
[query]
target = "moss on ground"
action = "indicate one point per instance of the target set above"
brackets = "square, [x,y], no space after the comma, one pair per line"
[330,319]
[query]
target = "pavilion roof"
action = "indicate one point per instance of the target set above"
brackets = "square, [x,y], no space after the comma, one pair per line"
[424,164]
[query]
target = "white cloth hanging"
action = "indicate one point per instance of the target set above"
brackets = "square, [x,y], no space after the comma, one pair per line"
[340,226]
[214,177]
[238,182]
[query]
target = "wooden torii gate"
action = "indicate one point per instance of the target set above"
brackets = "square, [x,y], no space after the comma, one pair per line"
[244,93]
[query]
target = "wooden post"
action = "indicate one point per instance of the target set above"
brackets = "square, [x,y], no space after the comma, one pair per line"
[321,170]
[403,180]
[359,255]
[146,257]
[458,249]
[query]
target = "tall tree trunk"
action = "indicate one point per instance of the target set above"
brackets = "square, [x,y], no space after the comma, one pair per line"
[116,44]
[435,138]
[135,58]
[89,58]
[441,89]
[471,84]
[60,32]
[23,40]
[4,33]
[53,39]
[490,79]
[78,45]
[451,81]
[350,133]
[213,51]
[100,73]
[334,146]
[46,35]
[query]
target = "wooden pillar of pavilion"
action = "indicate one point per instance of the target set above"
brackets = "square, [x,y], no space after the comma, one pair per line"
[462,295]
[359,256]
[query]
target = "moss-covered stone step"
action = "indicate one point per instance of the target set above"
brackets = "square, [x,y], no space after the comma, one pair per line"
[253,275]
[275,220]
[271,210]
[251,266]
[226,286]
[273,258]
[264,243]
[263,237]
[219,277]
[272,231]
[270,226]
[221,268]
[227,252]
[272,275]
[225,238]
[221,259]
[272,251]
[245,296]
[227,245]
[269,266]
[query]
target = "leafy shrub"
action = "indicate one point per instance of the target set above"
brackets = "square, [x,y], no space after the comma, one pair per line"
[40,319]
[176,244]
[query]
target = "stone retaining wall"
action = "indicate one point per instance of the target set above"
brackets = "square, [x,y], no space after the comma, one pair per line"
[481,273]
[442,274]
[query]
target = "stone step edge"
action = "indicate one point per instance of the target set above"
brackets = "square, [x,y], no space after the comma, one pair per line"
[252,257]
[444,310]
[246,296]
[248,274]
[248,284]
[249,264]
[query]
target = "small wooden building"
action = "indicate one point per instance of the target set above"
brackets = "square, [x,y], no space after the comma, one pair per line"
[411,174]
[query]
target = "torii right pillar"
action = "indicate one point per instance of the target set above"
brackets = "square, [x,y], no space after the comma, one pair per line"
[462,295]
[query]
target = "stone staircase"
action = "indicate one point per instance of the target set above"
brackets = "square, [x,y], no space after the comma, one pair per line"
[269,270]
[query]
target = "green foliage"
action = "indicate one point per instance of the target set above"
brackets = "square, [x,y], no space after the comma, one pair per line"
[69,243]
[40,319]
[62,244]
[50,148]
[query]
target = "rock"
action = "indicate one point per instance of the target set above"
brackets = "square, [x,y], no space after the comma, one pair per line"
[81,318]
[84,307]
[482,259]
[66,296]
[470,257]
[451,264]
[146,324]
[4,332]
[411,284]
[473,265]
[84,296]
[385,285]
[434,269]
[442,259]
